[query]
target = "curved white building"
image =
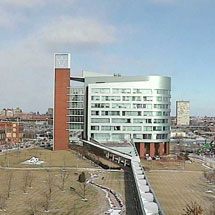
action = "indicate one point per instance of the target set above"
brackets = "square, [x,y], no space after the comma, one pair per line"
[122,109]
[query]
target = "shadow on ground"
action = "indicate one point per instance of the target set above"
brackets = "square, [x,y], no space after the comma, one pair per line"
[130,194]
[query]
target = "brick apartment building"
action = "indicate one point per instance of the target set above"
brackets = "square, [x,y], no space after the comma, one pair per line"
[12,131]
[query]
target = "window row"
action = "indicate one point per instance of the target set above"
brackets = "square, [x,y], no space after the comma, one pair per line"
[77,105]
[128,91]
[130,128]
[134,121]
[76,119]
[77,91]
[124,136]
[162,106]
[77,112]
[130,113]
[76,126]
[76,98]
[128,106]
[129,98]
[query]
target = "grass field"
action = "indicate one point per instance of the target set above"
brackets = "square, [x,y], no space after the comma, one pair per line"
[52,158]
[113,180]
[177,186]
[62,202]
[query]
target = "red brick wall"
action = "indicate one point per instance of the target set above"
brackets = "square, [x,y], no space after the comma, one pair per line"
[61,134]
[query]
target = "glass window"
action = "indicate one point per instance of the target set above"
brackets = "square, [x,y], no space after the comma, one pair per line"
[166,113]
[157,128]
[138,136]
[139,120]
[147,113]
[121,105]
[95,128]
[77,112]
[166,128]
[100,120]
[77,91]
[100,105]
[77,98]
[94,113]
[121,120]
[161,136]
[121,90]
[118,136]
[105,128]
[131,113]
[161,91]
[76,126]
[76,118]
[100,136]
[132,128]
[142,106]
[95,98]
[147,136]
[147,98]
[76,105]
[159,99]
[111,98]
[100,90]
[110,113]
[142,91]
[147,128]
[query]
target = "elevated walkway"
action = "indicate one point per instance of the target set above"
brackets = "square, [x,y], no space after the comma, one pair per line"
[128,156]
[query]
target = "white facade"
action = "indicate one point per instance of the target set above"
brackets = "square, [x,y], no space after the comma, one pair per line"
[183,112]
[121,111]
[76,112]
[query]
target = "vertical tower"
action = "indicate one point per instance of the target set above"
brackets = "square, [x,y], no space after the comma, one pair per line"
[183,113]
[61,101]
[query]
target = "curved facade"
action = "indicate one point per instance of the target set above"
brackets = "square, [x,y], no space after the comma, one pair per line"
[114,109]
[131,109]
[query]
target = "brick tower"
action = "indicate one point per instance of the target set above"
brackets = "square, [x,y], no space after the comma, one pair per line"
[61,104]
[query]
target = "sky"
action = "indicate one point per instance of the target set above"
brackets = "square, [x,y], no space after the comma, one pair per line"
[173,38]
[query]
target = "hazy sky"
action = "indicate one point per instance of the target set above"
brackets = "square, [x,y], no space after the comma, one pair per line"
[174,38]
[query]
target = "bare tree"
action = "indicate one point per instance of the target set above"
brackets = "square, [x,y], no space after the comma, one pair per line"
[46,201]
[51,184]
[3,200]
[33,207]
[30,180]
[64,177]
[193,209]
[84,189]
[9,183]
[26,177]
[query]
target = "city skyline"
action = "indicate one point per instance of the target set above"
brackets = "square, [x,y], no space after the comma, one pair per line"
[152,37]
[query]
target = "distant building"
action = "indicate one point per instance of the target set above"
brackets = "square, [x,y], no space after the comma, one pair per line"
[50,111]
[112,109]
[2,136]
[182,113]
[17,112]
[13,131]
[10,113]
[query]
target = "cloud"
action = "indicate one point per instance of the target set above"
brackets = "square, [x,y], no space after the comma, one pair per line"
[33,3]
[26,68]
[9,19]
[21,3]
[74,32]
